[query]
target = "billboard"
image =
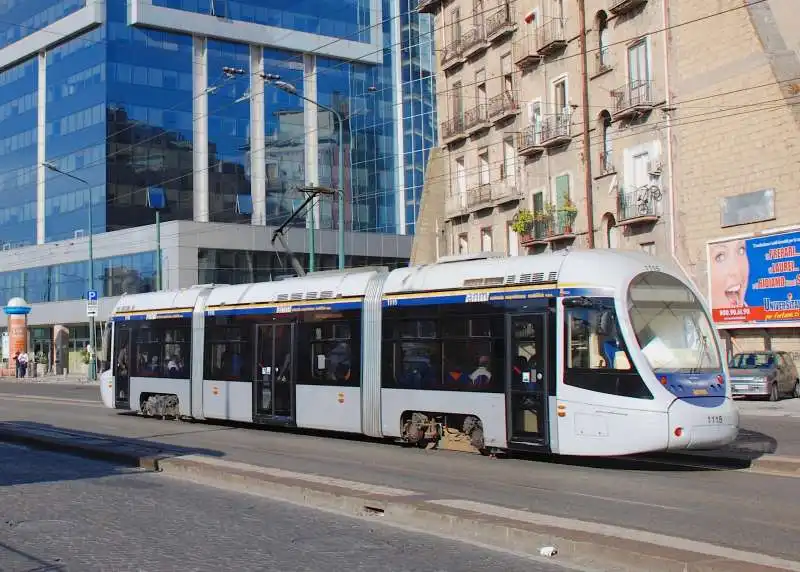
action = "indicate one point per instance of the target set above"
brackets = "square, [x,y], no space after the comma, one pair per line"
[755,280]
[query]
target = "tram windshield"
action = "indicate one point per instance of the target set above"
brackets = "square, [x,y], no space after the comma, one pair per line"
[671,326]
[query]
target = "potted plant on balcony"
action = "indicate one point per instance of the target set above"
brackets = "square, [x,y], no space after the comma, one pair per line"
[522,224]
[570,213]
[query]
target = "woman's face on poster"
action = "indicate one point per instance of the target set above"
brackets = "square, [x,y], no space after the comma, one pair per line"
[729,274]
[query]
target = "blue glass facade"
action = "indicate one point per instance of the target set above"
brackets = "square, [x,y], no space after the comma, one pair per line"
[18,138]
[20,18]
[149,130]
[228,130]
[121,116]
[133,273]
[348,19]
[75,130]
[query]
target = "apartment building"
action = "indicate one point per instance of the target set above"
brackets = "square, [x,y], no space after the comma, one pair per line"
[514,127]
[682,145]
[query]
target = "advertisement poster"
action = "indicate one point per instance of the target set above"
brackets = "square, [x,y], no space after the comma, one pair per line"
[755,280]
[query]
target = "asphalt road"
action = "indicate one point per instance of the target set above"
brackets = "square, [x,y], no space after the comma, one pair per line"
[58,513]
[730,508]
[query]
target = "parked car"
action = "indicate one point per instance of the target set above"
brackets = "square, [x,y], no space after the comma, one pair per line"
[764,374]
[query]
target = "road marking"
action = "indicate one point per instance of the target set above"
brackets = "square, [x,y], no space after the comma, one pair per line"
[50,400]
[618,532]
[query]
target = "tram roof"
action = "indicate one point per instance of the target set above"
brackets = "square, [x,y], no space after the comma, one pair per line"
[151,301]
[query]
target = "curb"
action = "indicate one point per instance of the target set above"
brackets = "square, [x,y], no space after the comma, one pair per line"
[764,463]
[580,544]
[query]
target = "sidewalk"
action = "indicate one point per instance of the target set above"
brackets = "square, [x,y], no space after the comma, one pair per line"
[581,543]
[74,379]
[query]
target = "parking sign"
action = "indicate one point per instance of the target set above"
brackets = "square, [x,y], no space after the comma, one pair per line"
[91,303]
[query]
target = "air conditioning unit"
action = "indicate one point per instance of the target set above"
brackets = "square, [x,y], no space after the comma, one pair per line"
[79,233]
[654,167]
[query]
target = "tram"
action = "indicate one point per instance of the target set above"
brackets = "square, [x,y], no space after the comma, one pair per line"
[585,352]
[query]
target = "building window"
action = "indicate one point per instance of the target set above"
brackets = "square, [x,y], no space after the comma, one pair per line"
[606,156]
[461,177]
[507,71]
[486,239]
[509,166]
[455,23]
[603,50]
[638,67]
[463,243]
[560,96]
[483,159]
[648,248]
[480,87]
[562,191]
[513,240]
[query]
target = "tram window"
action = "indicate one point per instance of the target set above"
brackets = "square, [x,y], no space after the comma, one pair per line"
[162,349]
[227,351]
[332,359]
[596,357]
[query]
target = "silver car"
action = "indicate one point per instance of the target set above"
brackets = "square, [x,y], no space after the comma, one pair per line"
[764,374]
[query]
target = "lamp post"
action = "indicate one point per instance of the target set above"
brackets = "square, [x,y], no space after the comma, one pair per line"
[289,88]
[157,200]
[92,334]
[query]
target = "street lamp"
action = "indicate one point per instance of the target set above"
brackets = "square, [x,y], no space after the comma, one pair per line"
[157,200]
[275,80]
[92,335]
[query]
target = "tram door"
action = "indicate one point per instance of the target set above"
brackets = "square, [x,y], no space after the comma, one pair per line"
[274,393]
[121,360]
[528,382]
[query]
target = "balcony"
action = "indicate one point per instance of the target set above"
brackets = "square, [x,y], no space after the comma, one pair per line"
[633,99]
[499,24]
[455,205]
[624,6]
[606,166]
[479,197]
[551,37]
[452,54]
[526,52]
[529,141]
[602,62]
[552,225]
[638,206]
[428,6]
[556,130]
[503,106]
[473,42]
[453,130]
[476,119]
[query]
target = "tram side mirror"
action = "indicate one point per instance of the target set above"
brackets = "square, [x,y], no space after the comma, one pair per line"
[321,362]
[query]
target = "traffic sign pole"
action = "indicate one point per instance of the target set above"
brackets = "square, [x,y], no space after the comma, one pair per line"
[91,312]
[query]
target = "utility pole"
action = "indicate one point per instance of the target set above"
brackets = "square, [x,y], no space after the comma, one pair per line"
[587,149]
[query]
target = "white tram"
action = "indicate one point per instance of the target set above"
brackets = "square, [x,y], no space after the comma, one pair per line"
[595,352]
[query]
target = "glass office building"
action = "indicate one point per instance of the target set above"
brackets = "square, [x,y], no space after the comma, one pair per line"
[131,95]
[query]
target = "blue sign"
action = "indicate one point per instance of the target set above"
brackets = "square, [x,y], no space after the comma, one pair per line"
[756,279]
[91,295]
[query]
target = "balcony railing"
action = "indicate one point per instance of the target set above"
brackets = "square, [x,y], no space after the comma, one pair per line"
[526,51]
[638,205]
[622,6]
[606,163]
[473,41]
[452,54]
[428,6]
[551,37]
[480,196]
[529,140]
[455,204]
[503,105]
[556,129]
[550,226]
[476,119]
[602,62]
[500,23]
[632,99]
[453,129]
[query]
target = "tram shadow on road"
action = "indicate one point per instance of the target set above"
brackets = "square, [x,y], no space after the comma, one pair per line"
[23,445]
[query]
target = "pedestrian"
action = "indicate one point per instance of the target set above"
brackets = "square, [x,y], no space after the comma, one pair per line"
[23,364]
[16,363]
